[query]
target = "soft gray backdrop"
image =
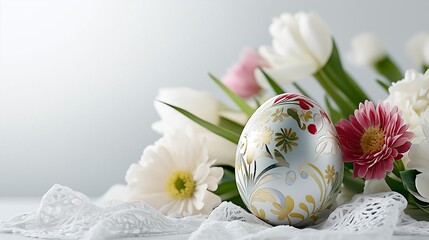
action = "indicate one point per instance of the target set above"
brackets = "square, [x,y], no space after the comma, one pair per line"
[77,78]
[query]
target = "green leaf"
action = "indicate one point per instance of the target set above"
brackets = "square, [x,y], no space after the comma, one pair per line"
[409,179]
[276,88]
[424,68]
[340,100]
[301,90]
[334,114]
[398,167]
[223,132]
[355,185]
[336,75]
[230,125]
[241,103]
[396,186]
[227,190]
[228,173]
[257,102]
[384,85]
[388,69]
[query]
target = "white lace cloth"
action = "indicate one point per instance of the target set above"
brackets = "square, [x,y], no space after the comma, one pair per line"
[67,214]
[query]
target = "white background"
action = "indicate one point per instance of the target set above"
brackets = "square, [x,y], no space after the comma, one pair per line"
[78,78]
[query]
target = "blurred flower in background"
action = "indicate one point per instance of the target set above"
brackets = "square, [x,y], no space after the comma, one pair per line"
[366,50]
[418,49]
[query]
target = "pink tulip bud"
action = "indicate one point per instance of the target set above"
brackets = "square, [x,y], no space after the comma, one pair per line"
[240,78]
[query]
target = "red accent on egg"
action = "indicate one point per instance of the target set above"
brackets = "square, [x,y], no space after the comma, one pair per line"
[312,129]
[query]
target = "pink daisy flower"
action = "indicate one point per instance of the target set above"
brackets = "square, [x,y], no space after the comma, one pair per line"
[373,139]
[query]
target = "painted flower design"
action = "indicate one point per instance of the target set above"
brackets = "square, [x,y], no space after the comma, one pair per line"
[176,176]
[306,115]
[329,173]
[283,210]
[373,138]
[278,115]
[263,137]
[327,143]
[286,139]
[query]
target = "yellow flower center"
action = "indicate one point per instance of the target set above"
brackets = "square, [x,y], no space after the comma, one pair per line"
[181,185]
[372,140]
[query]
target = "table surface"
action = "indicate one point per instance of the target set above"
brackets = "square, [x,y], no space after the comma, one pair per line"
[10,207]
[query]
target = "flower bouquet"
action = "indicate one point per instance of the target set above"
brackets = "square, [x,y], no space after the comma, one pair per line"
[384,144]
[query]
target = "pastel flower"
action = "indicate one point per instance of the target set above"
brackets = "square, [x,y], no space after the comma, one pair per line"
[411,96]
[263,137]
[240,78]
[278,115]
[366,50]
[301,45]
[176,175]
[372,139]
[418,49]
[203,105]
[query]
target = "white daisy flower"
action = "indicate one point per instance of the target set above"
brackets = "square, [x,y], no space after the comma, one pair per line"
[176,176]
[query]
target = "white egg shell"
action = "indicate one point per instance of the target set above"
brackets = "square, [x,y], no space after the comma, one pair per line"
[289,165]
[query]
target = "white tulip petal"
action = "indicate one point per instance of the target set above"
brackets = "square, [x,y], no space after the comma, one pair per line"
[287,74]
[317,37]
[206,108]
[236,116]
[220,149]
[422,185]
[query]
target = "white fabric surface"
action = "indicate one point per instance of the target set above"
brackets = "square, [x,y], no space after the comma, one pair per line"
[66,214]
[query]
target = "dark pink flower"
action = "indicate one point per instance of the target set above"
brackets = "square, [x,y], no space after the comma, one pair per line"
[373,139]
[240,77]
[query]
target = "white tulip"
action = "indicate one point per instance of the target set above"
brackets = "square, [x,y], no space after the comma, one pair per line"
[418,49]
[366,50]
[301,45]
[203,105]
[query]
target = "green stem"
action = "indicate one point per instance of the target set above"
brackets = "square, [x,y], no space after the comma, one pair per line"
[357,88]
[384,85]
[301,90]
[355,185]
[345,106]
[340,80]
[388,69]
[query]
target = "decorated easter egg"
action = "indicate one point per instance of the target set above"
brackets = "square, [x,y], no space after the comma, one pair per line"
[289,165]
